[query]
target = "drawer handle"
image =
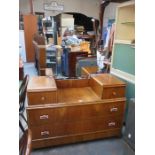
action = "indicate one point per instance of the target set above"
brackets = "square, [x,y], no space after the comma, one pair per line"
[111,124]
[42,98]
[44,117]
[43,133]
[114,93]
[113,109]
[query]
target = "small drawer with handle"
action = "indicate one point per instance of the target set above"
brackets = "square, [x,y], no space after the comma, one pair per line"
[35,98]
[113,92]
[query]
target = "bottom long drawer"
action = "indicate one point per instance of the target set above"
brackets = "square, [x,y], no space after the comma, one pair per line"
[85,126]
[39,143]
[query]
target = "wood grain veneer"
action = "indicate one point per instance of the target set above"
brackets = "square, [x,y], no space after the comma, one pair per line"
[86,109]
[107,86]
[53,141]
[74,112]
[72,83]
[41,84]
[72,95]
[77,127]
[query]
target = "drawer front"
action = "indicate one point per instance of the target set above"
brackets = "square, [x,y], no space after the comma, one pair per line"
[41,132]
[113,92]
[39,116]
[35,98]
[75,138]
[74,113]
[74,128]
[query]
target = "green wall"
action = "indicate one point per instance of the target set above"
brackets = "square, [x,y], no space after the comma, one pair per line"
[130,93]
[124,58]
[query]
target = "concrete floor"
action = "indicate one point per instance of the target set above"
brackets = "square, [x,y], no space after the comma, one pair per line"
[112,146]
[98,147]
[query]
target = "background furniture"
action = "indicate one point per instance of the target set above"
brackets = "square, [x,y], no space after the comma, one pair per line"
[21,69]
[68,61]
[47,56]
[30,28]
[64,21]
[40,57]
[85,62]
[103,5]
[74,110]
[123,55]
[87,71]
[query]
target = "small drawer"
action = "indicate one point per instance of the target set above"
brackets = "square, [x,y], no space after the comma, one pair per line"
[35,98]
[113,92]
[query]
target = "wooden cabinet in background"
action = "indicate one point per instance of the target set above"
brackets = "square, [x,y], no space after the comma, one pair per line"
[30,28]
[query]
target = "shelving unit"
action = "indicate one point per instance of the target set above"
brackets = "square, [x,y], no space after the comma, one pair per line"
[125,22]
[51,61]
[123,55]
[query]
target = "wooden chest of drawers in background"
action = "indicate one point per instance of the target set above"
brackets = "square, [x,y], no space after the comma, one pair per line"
[57,120]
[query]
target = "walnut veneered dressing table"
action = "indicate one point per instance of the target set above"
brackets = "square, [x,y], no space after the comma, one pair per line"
[75,109]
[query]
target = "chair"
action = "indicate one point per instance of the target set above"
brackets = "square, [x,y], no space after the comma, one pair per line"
[25,143]
[22,96]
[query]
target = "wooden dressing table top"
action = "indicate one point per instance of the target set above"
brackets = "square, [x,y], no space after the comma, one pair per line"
[77,95]
[108,80]
[41,83]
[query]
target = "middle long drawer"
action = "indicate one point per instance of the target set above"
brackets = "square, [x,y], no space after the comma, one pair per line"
[47,115]
[96,124]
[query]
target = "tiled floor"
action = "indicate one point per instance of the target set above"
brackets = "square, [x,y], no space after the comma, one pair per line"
[111,146]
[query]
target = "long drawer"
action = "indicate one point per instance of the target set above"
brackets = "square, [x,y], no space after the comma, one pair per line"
[72,128]
[47,115]
[52,141]
[36,98]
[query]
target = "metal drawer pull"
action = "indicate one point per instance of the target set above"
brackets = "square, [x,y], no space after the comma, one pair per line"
[114,93]
[111,124]
[43,133]
[44,117]
[42,98]
[113,109]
